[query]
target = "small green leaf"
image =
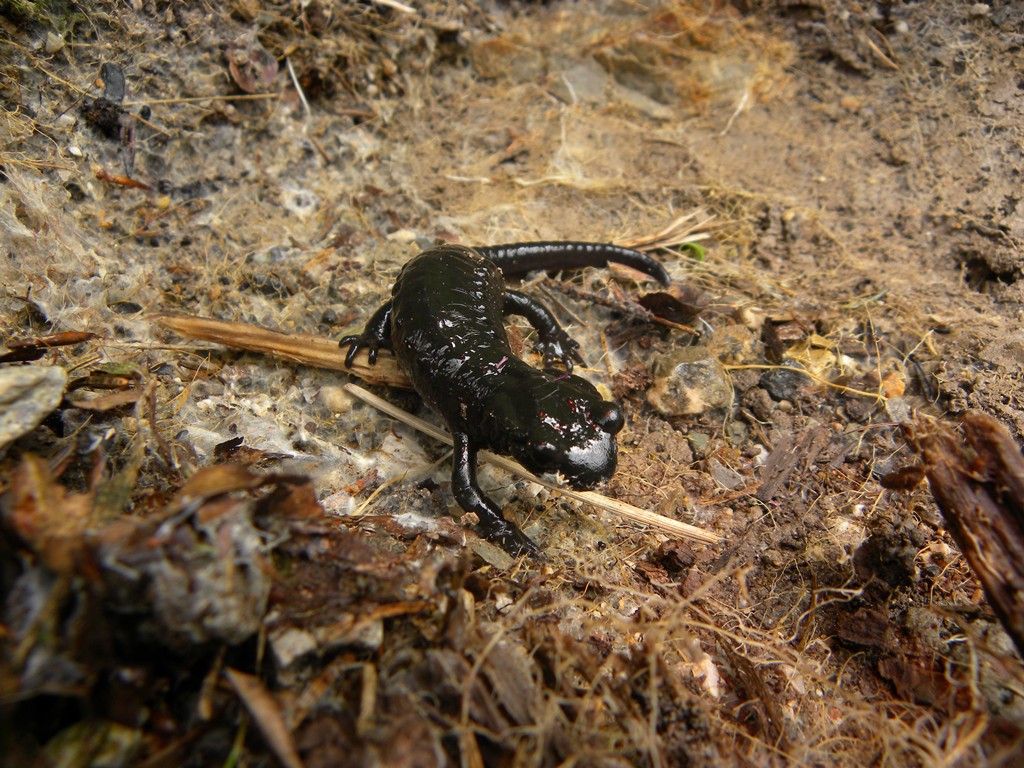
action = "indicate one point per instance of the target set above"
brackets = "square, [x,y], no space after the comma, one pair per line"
[693,249]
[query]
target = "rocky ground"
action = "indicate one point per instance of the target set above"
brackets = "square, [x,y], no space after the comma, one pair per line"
[215,556]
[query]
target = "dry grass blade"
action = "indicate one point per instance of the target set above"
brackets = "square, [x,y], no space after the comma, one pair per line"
[688,228]
[401,7]
[665,524]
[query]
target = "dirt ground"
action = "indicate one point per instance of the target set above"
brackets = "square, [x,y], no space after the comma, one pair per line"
[217,557]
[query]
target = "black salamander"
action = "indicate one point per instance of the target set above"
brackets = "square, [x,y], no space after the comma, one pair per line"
[444,325]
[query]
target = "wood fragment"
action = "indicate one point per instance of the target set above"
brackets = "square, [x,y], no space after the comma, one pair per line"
[296,348]
[978,483]
[24,350]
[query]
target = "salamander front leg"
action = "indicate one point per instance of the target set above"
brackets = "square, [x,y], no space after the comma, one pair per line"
[493,526]
[375,336]
[554,343]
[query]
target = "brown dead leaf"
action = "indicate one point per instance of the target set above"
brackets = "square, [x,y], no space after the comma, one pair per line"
[653,572]
[292,501]
[914,678]
[219,479]
[680,304]
[265,711]
[894,384]
[511,674]
[50,520]
[233,450]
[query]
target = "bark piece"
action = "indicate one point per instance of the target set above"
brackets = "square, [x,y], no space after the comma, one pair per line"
[978,483]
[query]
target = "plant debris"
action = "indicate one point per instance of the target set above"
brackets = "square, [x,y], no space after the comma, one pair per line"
[213,552]
[979,486]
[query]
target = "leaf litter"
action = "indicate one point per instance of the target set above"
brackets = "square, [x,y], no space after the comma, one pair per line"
[185,579]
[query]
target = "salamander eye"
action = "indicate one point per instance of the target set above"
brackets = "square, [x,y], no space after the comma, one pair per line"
[608,416]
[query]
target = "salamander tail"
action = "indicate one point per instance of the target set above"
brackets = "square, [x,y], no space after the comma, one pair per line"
[520,258]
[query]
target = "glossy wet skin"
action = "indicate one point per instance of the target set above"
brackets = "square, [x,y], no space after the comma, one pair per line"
[463,366]
[445,325]
[554,422]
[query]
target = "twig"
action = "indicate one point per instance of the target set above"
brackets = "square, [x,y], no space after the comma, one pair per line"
[628,511]
[306,350]
[197,99]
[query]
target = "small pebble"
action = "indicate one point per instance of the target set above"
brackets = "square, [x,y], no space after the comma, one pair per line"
[28,394]
[54,42]
[699,442]
[783,384]
[688,382]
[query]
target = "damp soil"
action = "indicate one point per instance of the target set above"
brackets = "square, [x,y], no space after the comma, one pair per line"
[210,556]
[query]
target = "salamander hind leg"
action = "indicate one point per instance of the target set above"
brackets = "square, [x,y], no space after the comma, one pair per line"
[375,336]
[492,526]
[553,342]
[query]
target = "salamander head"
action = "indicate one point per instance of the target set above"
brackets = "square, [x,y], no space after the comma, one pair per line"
[559,423]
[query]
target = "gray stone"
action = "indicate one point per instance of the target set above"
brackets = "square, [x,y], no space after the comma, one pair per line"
[689,382]
[784,383]
[699,442]
[28,394]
